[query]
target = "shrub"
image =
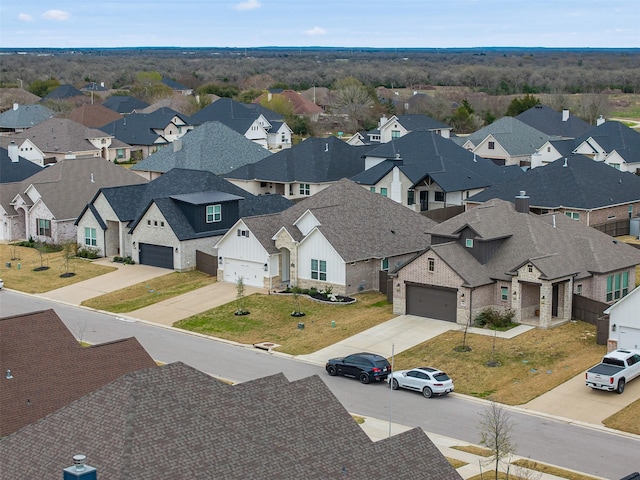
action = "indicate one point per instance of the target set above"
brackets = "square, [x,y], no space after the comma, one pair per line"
[490,317]
[88,252]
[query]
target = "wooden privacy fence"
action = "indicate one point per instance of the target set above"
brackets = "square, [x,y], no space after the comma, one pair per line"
[615,228]
[592,311]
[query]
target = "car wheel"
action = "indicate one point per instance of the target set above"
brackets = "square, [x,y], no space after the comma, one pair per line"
[332,370]
[427,392]
[620,388]
[394,384]
[364,377]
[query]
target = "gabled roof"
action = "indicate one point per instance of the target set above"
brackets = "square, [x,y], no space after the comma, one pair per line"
[616,136]
[421,122]
[159,424]
[15,171]
[124,103]
[315,160]
[63,92]
[266,112]
[359,224]
[299,103]
[51,369]
[234,115]
[575,182]
[24,116]
[173,85]
[212,147]
[94,116]
[83,177]
[138,128]
[9,96]
[556,244]
[550,122]
[421,154]
[515,136]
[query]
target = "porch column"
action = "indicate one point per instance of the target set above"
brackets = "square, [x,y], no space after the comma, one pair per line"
[516,299]
[567,297]
[546,301]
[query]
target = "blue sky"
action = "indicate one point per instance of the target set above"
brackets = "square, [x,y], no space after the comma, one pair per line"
[329,23]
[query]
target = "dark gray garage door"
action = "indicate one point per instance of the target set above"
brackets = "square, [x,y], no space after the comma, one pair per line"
[156,255]
[431,302]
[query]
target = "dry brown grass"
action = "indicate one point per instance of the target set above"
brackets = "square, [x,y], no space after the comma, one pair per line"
[530,364]
[474,450]
[558,472]
[627,419]
[270,320]
[27,280]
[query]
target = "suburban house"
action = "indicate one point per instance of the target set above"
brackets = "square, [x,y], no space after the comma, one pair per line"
[321,96]
[58,138]
[41,206]
[244,120]
[556,124]
[21,117]
[300,105]
[174,421]
[148,132]
[165,222]
[124,104]
[552,150]
[506,258]
[212,147]
[9,96]
[301,171]
[591,192]
[67,94]
[44,367]
[424,171]
[506,141]
[341,237]
[176,86]
[93,116]
[624,322]
[612,143]
[398,126]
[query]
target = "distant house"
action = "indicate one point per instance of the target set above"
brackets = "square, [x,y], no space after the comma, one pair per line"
[300,105]
[66,93]
[22,117]
[556,124]
[612,143]
[44,368]
[212,147]
[124,104]
[93,116]
[398,126]
[9,96]
[177,87]
[157,423]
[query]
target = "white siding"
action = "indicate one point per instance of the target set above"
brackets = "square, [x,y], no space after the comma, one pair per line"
[306,222]
[316,246]
[241,248]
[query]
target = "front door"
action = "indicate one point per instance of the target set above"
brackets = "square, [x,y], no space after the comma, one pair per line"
[554,300]
[424,200]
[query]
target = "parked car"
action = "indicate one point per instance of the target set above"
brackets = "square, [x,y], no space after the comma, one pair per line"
[428,380]
[616,369]
[364,366]
[1,284]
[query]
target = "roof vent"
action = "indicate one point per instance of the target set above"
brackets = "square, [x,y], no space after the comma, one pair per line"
[565,162]
[92,180]
[79,470]
[326,147]
[9,376]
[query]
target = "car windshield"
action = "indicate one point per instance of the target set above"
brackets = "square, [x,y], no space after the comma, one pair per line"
[441,377]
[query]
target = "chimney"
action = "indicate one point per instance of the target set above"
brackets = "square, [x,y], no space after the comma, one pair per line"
[522,202]
[15,105]
[102,84]
[565,114]
[600,121]
[79,470]
[13,151]
[383,120]
[177,145]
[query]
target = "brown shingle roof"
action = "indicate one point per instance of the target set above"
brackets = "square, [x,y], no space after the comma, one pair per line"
[51,369]
[94,116]
[176,422]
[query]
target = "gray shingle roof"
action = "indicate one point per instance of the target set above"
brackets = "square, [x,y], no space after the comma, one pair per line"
[359,224]
[15,171]
[583,184]
[63,92]
[138,128]
[25,116]
[615,136]
[212,147]
[315,160]
[234,115]
[124,104]
[556,244]
[414,122]
[159,424]
[550,122]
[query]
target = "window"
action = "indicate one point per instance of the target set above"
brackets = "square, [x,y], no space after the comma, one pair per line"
[318,269]
[385,264]
[617,286]
[504,294]
[611,217]
[574,215]
[431,264]
[395,134]
[383,192]
[214,213]
[148,223]
[492,145]
[548,149]
[372,189]
[530,268]
[305,189]
[161,224]
[579,289]
[411,197]
[44,227]
[120,153]
[630,211]
[90,237]
[243,233]
[469,242]
[438,196]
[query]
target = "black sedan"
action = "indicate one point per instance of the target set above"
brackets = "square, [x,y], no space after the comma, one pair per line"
[364,366]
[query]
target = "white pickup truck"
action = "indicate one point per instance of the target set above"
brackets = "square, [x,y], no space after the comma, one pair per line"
[616,369]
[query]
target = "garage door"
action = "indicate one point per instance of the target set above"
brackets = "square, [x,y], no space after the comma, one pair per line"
[156,255]
[252,273]
[629,338]
[431,302]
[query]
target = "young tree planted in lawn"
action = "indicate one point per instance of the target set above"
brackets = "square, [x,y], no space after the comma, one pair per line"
[495,433]
[240,297]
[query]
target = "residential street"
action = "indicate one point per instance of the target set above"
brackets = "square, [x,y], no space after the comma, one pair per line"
[569,444]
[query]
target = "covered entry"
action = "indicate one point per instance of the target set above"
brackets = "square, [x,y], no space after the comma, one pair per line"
[431,301]
[156,255]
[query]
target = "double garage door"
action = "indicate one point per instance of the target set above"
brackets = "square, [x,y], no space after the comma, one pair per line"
[252,273]
[432,302]
[156,255]
[629,338]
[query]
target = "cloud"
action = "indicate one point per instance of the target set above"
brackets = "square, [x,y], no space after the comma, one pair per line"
[56,15]
[316,31]
[248,5]
[23,17]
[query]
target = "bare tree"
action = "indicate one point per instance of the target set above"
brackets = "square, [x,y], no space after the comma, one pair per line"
[495,433]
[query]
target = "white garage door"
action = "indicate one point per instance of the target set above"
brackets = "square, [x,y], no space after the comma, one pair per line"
[629,338]
[252,273]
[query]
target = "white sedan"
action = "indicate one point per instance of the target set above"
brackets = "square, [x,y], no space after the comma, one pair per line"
[430,381]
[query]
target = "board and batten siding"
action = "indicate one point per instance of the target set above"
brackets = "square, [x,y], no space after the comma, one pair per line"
[316,246]
[241,248]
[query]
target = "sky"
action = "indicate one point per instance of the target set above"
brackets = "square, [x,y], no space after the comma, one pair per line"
[326,23]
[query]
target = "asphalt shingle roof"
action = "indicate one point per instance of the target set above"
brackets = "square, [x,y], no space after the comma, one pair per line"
[234,115]
[550,122]
[63,92]
[15,171]
[615,136]
[138,128]
[159,424]
[124,103]
[25,116]
[212,147]
[414,122]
